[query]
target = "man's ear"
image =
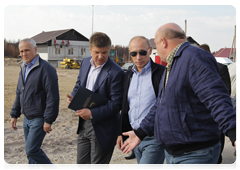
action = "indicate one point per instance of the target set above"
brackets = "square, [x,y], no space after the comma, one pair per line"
[165,42]
[150,50]
[35,49]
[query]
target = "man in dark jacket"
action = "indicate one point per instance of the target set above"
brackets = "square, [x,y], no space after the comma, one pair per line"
[141,84]
[98,127]
[193,106]
[224,74]
[37,97]
[223,70]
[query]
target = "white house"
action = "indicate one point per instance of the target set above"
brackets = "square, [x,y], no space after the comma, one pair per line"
[54,46]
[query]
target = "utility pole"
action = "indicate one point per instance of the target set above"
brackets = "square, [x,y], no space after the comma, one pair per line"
[234,52]
[233,49]
[92,17]
[186,27]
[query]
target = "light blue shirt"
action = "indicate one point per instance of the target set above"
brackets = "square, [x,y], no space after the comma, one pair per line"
[141,95]
[29,67]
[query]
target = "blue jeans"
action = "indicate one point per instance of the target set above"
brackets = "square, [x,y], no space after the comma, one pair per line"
[208,155]
[149,151]
[34,135]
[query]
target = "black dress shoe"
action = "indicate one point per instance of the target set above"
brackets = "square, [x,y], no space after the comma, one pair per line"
[132,156]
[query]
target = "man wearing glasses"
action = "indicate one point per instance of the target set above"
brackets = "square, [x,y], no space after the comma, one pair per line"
[193,106]
[141,84]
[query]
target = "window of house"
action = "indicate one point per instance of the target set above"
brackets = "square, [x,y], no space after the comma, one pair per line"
[57,50]
[70,51]
[83,51]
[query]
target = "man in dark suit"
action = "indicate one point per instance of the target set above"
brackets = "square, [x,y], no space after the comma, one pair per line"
[98,128]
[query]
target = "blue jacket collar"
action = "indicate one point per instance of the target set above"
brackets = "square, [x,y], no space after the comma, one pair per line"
[183,46]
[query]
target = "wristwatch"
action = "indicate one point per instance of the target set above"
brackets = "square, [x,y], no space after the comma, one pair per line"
[91,117]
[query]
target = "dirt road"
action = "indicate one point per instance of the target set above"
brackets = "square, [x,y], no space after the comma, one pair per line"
[60,144]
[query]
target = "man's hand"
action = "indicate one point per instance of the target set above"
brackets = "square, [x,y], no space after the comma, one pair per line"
[131,142]
[14,123]
[47,127]
[119,142]
[236,145]
[84,113]
[69,98]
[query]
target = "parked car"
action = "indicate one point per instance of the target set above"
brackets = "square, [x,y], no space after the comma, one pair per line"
[126,66]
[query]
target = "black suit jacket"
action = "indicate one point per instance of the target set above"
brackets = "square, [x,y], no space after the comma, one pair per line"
[108,84]
[224,74]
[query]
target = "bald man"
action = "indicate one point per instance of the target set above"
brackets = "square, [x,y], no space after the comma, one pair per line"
[193,104]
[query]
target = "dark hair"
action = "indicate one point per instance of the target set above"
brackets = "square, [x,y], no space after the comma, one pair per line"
[205,47]
[171,34]
[100,40]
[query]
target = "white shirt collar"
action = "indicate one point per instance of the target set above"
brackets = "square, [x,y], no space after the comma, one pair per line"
[93,65]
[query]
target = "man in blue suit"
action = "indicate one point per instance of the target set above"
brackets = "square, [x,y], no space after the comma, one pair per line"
[98,127]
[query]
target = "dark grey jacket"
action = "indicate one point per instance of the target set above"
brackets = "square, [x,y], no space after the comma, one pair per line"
[39,95]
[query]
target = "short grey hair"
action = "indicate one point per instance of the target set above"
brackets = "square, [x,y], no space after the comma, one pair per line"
[31,41]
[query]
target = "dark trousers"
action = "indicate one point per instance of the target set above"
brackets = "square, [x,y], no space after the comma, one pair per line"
[88,149]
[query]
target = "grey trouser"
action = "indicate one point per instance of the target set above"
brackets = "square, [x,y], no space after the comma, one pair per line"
[88,149]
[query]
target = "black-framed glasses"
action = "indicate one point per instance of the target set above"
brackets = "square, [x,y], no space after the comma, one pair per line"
[141,52]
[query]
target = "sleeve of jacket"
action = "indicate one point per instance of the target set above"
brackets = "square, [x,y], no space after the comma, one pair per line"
[114,105]
[123,104]
[50,84]
[224,74]
[16,109]
[124,118]
[78,82]
[210,89]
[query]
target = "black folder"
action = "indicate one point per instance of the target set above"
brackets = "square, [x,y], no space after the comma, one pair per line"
[85,98]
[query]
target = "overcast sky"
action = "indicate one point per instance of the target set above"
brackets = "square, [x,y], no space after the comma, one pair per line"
[211,24]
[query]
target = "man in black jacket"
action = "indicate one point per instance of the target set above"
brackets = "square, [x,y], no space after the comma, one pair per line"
[141,84]
[37,97]
[224,74]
